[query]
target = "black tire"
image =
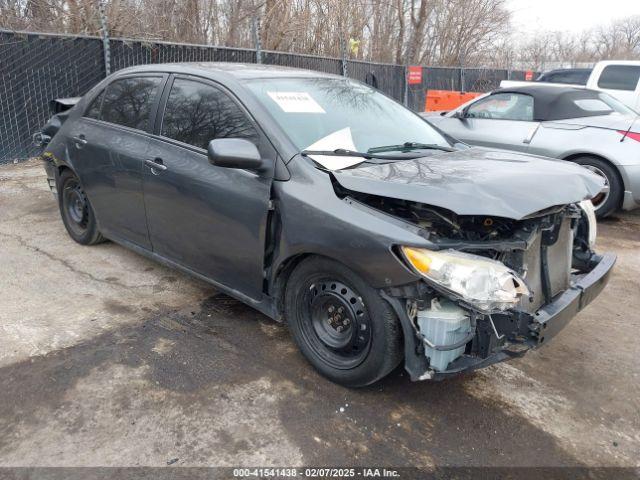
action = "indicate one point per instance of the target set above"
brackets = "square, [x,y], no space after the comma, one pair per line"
[76,211]
[369,345]
[605,203]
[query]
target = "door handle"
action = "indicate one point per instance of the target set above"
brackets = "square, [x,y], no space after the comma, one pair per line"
[155,164]
[80,141]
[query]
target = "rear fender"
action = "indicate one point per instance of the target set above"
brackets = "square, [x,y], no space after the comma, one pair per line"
[60,108]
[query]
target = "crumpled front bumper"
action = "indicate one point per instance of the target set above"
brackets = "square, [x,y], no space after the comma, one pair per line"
[549,320]
[552,318]
[544,324]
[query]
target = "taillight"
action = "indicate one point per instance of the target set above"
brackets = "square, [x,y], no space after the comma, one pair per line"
[633,135]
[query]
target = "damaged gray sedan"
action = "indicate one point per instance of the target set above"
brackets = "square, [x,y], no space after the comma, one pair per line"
[320,202]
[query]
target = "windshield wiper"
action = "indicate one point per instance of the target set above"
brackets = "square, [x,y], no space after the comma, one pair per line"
[338,152]
[409,147]
[342,152]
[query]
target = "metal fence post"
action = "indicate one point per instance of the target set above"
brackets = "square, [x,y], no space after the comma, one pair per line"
[255,26]
[343,56]
[462,82]
[105,37]
[406,86]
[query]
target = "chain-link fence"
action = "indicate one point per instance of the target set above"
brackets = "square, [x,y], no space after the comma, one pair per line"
[36,68]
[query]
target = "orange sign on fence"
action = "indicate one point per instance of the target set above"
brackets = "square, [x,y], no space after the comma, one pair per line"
[414,75]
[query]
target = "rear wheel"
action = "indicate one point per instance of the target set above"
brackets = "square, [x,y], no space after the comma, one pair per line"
[342,326]
[610,198]
[77,215]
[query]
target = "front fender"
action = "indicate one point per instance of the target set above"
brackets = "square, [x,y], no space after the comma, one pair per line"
[314,220]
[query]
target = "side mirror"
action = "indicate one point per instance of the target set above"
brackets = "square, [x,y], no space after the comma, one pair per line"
[460,114]
[234,153]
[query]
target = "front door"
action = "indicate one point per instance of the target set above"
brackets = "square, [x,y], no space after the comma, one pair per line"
[107,148]
[501,120]
[207,218]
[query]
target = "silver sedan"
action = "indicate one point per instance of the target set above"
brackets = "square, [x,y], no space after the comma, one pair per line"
[583,126]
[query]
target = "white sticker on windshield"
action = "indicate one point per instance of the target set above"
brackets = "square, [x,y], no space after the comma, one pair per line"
[296,102]
[338,139]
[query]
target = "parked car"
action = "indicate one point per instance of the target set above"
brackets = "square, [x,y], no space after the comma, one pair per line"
[318,200]
[584,126]
[572,76]
[620,79]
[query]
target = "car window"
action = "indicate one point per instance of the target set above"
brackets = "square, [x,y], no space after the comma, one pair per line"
[128,101]
[197,113]
[550,77]
[94,109]
[593,105]
[620,77]
[577,78]
[503,106]
[573,77]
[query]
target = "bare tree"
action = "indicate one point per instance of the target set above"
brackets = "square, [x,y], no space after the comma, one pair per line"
[431,32]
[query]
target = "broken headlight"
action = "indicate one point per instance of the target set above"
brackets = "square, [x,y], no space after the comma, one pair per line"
[487,285]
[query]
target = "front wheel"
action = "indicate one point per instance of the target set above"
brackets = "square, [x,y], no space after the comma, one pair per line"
[343,327]
[610,197]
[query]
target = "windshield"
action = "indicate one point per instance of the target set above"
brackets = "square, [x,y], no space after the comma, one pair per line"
[324,114]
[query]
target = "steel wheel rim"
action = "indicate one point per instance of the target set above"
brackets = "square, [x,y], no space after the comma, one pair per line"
[601,198]
[75,207]
[335,323]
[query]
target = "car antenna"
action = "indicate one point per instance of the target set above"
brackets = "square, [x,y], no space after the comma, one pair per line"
[626,134]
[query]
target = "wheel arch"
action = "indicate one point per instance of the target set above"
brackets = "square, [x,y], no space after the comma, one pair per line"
[285,267]
[60,169]
[575,156]
[281,277]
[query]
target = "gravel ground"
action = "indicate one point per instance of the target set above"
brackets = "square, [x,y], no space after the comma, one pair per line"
[109,359]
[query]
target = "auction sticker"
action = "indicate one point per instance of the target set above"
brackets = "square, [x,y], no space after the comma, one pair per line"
[296,102]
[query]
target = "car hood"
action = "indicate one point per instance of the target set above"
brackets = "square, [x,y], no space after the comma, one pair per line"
[477,181]
[615,121]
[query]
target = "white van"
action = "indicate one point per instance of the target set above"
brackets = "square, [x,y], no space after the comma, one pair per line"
[618,78]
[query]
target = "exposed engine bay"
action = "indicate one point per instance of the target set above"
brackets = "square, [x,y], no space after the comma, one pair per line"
[547,251]
[441,224]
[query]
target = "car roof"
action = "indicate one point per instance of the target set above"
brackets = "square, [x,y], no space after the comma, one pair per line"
[553,102]
[229,69]
[568,70]
[541,90]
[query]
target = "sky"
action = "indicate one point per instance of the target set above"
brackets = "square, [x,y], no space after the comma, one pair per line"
[568,15]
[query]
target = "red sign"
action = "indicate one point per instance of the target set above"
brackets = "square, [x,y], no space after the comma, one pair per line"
[414,76]
[528,76]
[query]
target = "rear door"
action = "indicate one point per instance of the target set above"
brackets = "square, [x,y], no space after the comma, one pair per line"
[502,120]
[107,148]
[208,218]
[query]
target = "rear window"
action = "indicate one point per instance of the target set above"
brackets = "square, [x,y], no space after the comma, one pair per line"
[620,77]
[593,105]
[570,77]
[128,101]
